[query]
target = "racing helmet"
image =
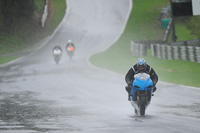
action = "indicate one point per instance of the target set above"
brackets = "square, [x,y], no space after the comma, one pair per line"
[69,41]
[141,64]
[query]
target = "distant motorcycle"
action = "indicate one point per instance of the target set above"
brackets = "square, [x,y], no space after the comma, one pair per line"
[57,53]
[141,93]
[70,48]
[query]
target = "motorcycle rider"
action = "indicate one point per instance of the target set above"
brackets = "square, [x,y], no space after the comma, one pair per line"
[70,46]
[57,50]
[57,53]
[140,67]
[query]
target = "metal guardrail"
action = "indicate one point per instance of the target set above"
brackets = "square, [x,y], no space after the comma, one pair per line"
[188,53]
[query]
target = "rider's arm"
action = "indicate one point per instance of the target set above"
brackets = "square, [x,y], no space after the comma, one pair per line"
[129,76]
[154,76]
[60,49]
[73,45]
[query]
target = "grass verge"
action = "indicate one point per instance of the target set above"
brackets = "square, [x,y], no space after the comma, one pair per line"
[7,59]
[144,24]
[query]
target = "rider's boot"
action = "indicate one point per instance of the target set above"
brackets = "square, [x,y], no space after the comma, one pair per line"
[128,89]
[129,97]
[154,89]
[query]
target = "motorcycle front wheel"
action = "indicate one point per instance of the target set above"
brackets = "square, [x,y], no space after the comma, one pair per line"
[142,109]
[57,59]
[142,106]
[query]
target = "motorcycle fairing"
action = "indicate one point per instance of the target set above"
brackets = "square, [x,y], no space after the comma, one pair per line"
[142,82]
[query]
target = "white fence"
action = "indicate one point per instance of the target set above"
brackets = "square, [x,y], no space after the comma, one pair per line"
[177,51]
[189,53]
[139,50]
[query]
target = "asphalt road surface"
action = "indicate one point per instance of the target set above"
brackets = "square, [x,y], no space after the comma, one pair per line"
[36,95]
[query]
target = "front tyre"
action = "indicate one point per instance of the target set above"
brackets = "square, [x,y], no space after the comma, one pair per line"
[57,59]
[142,105]
[142,109]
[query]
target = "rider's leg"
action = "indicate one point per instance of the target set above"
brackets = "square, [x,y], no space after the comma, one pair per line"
[128,89]
[154,88]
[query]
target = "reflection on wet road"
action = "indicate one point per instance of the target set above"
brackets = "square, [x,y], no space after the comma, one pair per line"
[21,111]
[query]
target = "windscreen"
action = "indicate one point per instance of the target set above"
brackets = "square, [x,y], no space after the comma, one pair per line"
[142,76]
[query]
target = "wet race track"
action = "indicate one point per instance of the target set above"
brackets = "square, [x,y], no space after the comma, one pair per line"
[36,95]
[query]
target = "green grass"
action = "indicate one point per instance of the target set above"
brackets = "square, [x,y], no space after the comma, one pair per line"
[9,43]
[144,19]
[182,30]
[60,8]
[144,24]
[7,59]
[39,5]
[193,25]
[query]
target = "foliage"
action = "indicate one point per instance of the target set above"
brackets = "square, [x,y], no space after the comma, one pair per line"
[59,12]
[12,10]
[194,25]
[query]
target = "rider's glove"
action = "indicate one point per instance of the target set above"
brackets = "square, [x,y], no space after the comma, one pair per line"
[129,83]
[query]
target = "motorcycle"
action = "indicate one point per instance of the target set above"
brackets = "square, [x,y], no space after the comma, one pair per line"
[141,93]
[70,51]
[57,53]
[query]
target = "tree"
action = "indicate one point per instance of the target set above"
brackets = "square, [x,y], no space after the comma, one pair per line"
[14,10]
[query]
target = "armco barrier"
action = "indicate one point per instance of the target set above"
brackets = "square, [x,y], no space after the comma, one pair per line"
[189,53]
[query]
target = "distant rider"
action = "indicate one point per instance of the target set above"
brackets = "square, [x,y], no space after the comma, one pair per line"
[70,46]
[57,50]
[140,67]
